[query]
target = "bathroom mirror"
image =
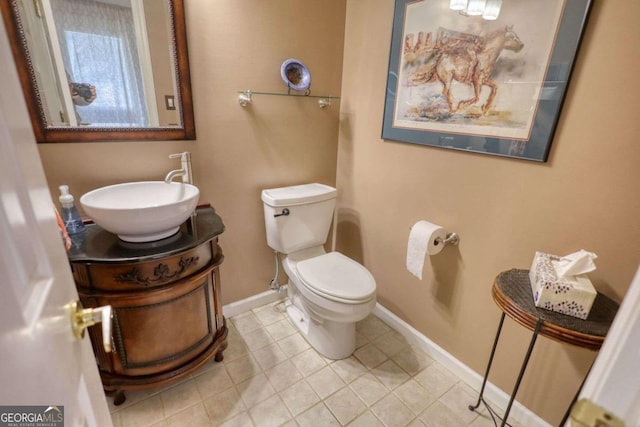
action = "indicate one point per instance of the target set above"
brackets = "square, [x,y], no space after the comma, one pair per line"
[102,70]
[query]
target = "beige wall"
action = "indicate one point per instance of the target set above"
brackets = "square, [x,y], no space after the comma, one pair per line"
[585,196]
[233,46]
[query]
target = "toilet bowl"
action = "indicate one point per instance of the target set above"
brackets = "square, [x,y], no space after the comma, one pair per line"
[327,292]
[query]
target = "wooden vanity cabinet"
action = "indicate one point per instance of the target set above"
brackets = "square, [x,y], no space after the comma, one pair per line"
[166,306]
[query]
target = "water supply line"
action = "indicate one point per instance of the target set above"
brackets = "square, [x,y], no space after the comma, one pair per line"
[273,284]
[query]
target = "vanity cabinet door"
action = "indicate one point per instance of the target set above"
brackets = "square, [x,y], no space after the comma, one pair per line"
[160,329]
[163,333]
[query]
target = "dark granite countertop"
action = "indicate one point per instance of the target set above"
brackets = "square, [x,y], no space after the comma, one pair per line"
[98,245]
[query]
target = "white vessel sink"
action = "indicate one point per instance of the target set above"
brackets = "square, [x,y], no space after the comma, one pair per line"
[141,211]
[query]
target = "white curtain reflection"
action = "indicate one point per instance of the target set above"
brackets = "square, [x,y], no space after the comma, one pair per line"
[99,48]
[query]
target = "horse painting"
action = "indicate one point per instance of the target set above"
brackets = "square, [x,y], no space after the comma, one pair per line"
[465,58]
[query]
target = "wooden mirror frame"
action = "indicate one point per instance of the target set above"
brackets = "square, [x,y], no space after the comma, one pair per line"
[45,133]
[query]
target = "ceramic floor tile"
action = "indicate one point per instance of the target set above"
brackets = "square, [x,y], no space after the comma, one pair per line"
[348,369]
[417,422]
[257,339]
[242,368]
[132,397]
[345,405]
[361,340]
[283,375]
[246,322]
[392,412]
[391,343]
[271,376]
[412,360]
[318,415]
[436,379]
[144,413]
[458,399]
[271,412]
[116,419]
[370,356]
[369,389]
[269,356]
[255,390]
[366,420]
[193,416]
[241,420]
[438,415]
[213,381]
[308,362]
[390,374]
[269,313]
[484,420]
[325,382]
[416,397]
[223,406]
[293,344]
[299,397]
[372,327]
[281,329]
[236,347]
[179,397]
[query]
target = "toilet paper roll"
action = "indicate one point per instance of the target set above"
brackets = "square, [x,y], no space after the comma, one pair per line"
[423,240]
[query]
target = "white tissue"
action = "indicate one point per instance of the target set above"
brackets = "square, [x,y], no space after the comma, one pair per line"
[574,264]
[423,239]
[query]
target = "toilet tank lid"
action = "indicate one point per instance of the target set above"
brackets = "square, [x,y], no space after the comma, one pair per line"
[298,194]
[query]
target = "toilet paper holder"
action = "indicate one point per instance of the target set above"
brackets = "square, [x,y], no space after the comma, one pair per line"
[452,239]
[426,238]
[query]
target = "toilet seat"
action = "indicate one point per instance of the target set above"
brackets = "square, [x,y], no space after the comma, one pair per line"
[337,278]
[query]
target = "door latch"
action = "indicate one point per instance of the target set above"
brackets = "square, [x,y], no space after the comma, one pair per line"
[82,318]
[585,413]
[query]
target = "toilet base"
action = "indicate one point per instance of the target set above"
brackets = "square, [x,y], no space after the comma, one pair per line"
[333,340]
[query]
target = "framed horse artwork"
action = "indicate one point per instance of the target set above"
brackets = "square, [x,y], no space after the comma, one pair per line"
[460,81]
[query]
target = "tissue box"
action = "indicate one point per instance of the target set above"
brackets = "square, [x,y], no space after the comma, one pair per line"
[572,295]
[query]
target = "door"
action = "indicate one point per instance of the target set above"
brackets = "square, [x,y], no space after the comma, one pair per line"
[614,381]
[53,101]
[42,364]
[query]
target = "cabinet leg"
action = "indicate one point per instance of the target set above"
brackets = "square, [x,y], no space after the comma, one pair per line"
[219,357]
[119,397]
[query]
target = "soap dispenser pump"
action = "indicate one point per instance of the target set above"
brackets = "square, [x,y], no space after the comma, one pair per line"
[69,213]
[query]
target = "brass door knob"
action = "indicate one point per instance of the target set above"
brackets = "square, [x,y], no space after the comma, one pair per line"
[82,318]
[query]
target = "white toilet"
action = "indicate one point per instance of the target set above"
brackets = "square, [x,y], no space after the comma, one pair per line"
[328,292]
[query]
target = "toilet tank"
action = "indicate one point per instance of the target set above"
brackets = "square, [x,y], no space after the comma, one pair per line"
[310,211]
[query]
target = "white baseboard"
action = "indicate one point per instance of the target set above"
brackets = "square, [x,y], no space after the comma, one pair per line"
[492,393]
[255,301]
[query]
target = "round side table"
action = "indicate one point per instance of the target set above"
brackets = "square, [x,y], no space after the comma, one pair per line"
[511,292]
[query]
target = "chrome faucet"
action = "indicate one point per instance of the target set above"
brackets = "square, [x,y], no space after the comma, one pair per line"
[184,172]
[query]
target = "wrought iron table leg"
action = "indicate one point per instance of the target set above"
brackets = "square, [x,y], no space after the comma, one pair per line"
[486,373]
[522,369]
[567,413]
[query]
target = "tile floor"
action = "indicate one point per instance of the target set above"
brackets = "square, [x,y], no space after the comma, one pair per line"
[270,376]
